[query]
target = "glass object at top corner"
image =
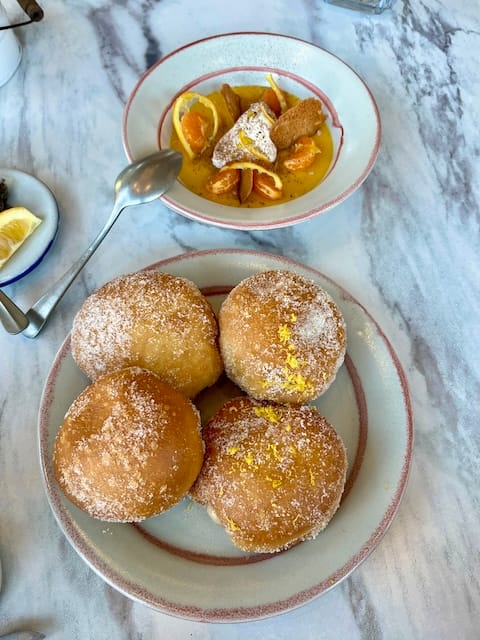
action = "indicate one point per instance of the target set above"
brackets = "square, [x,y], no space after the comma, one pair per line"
[368,6]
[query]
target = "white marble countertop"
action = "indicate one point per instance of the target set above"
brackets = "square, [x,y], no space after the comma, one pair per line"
[406,245]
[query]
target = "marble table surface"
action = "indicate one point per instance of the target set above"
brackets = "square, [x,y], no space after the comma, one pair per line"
[406,245]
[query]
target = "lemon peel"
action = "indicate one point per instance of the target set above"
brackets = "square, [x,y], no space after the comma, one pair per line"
[249,145]
[278,92]
[16,225]
[182,104]
[256,167]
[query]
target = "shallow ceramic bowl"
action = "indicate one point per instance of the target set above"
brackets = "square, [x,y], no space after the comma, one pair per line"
[302,69]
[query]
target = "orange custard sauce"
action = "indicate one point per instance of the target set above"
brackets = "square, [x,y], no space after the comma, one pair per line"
[196,171]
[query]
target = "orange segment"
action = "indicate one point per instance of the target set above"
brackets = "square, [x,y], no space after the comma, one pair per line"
[194,127]
[303,154]
[270,97]
[257,167]
[183,106]
[264,186]
[223,181]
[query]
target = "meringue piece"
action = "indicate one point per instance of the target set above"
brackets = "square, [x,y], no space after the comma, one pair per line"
[248,139]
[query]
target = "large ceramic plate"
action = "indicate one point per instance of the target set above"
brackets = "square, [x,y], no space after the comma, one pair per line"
[181,562]
[245,58]
[25,190]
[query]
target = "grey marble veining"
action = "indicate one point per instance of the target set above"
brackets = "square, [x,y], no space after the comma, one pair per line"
[406,244]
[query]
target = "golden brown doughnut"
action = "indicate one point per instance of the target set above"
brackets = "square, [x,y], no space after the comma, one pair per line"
[153,320]
[282,337]
[272,475]
[129,447]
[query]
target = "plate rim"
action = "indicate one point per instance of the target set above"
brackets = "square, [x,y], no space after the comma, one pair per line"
[275,223]
[56,213]
[133,590]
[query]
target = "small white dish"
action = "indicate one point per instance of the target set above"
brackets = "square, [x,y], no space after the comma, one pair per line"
[181,562]
[24,190]
[301,68]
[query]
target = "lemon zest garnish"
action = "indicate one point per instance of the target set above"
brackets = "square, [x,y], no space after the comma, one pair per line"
[268,413]
[257,167]
[296,382]
[284,333]
[181,106]
[278,92]
[273,448]
[249,459]
[267,115]
[249,145]
[232,451]
[16,225]
[292,361]
[232,525]
[312,478]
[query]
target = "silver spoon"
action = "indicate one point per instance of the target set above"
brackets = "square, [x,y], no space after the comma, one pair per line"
[140,182]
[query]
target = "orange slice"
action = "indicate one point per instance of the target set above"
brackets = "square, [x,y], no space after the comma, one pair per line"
[256,167]
[182,106]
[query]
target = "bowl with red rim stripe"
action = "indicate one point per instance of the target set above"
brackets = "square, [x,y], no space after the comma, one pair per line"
[301,68]
[182,562]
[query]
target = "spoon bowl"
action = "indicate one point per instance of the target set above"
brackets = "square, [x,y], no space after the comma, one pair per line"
[143,181]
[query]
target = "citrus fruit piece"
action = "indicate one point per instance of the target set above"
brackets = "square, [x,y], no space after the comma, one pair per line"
[16,225]
[264,186]
[194,127]
[303,154]
[277,182]
[182,106]
[278,92]
[249,145]
[270,97]
[223,181]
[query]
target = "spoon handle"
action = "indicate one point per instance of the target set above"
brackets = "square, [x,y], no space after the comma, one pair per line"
[41,310]
[13,319]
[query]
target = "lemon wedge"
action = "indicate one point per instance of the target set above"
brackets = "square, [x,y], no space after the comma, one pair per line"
[16,225]
[256,167]
[183,104]
[278,92]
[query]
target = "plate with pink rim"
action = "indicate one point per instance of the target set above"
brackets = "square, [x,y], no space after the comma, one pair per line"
[300,68]
[181,562]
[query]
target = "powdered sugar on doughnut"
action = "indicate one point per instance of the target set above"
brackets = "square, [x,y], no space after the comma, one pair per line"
[282,337]
[153,320]
[273,475]
[129,447]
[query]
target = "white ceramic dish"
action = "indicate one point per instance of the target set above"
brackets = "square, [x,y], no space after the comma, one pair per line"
[245,58]
[27,191]
[182,563]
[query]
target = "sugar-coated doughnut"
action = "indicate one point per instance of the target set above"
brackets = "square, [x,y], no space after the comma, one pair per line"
[129,447]
[153,320]
[273,475]
[282,337]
